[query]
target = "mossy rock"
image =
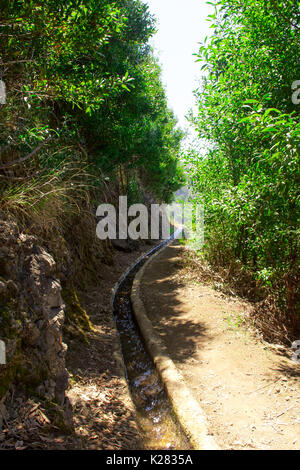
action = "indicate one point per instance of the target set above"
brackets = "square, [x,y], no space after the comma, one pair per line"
[9,326]
[77,321]
[59,417]
[7,376]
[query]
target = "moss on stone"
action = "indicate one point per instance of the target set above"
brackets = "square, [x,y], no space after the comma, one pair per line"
[57,416]
[77,321]
[7,376]
[5,322]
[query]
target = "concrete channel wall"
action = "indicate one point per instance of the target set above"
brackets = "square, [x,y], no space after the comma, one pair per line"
[186,408]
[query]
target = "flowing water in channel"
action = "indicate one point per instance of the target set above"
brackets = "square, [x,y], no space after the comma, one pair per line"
[155,418]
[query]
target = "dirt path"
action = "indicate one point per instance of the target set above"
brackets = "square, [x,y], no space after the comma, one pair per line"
[249,390]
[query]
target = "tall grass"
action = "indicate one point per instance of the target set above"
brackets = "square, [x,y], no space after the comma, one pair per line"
[48,194]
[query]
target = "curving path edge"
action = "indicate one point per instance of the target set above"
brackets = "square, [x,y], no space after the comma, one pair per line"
[186,408]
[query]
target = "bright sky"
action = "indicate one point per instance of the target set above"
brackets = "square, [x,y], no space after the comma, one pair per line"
[181,26]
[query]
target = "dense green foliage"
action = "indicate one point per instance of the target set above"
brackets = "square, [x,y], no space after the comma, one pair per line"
[85,105]
[81,79]
[249,177]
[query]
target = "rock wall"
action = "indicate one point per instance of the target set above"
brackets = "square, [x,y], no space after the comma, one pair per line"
[31,318]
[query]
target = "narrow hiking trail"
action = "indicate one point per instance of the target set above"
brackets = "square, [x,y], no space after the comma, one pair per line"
[248,388]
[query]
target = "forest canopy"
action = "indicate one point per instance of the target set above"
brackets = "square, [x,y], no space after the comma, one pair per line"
[84,89]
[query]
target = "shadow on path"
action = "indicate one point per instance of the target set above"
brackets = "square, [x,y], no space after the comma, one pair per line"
[160,289]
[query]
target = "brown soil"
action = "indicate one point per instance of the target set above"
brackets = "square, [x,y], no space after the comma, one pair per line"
[248,388]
